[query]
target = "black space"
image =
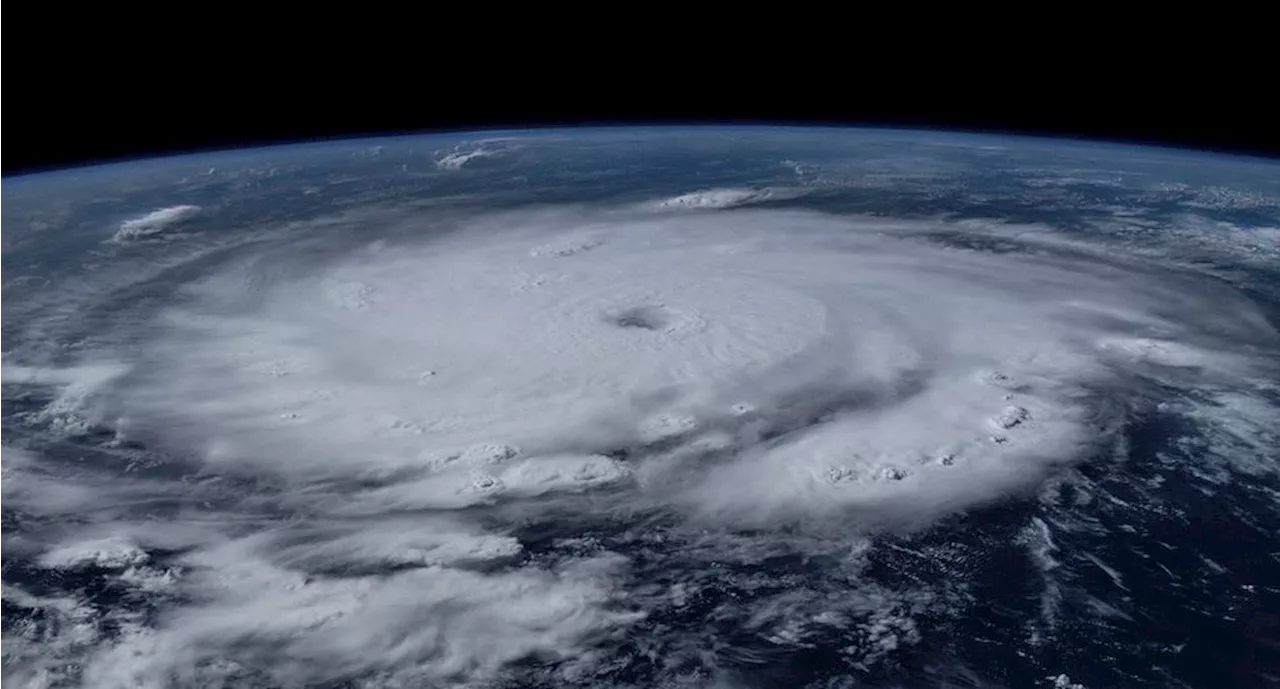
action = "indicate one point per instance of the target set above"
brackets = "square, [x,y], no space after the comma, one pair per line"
[124,89]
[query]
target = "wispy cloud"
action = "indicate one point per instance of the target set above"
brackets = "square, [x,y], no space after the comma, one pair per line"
[153,223]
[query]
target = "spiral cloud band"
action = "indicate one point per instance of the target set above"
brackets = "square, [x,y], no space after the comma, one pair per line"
[888,374]
[405,404]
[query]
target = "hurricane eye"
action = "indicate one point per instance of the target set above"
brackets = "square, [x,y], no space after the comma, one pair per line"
[641,318]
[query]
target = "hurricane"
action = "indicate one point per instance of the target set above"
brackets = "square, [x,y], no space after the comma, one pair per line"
[711,436]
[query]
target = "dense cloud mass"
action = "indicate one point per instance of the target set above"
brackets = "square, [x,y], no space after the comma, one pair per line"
[364,435]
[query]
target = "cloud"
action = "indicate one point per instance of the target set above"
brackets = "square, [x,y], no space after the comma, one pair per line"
[76,386]
[153,223]
[871,347]
[254,620]
[487,148]
[355,546]
[458,159]
[366,437]
[106,552]
[710,199]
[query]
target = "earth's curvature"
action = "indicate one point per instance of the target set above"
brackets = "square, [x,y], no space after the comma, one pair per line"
[746,407]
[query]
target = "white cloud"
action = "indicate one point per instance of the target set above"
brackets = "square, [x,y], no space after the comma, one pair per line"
[376,545]
[464,154]
[420,626]
[458,159]
[106,552]
[579,352]
[77,385]
[712,199]
[153,223]
[368,429]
